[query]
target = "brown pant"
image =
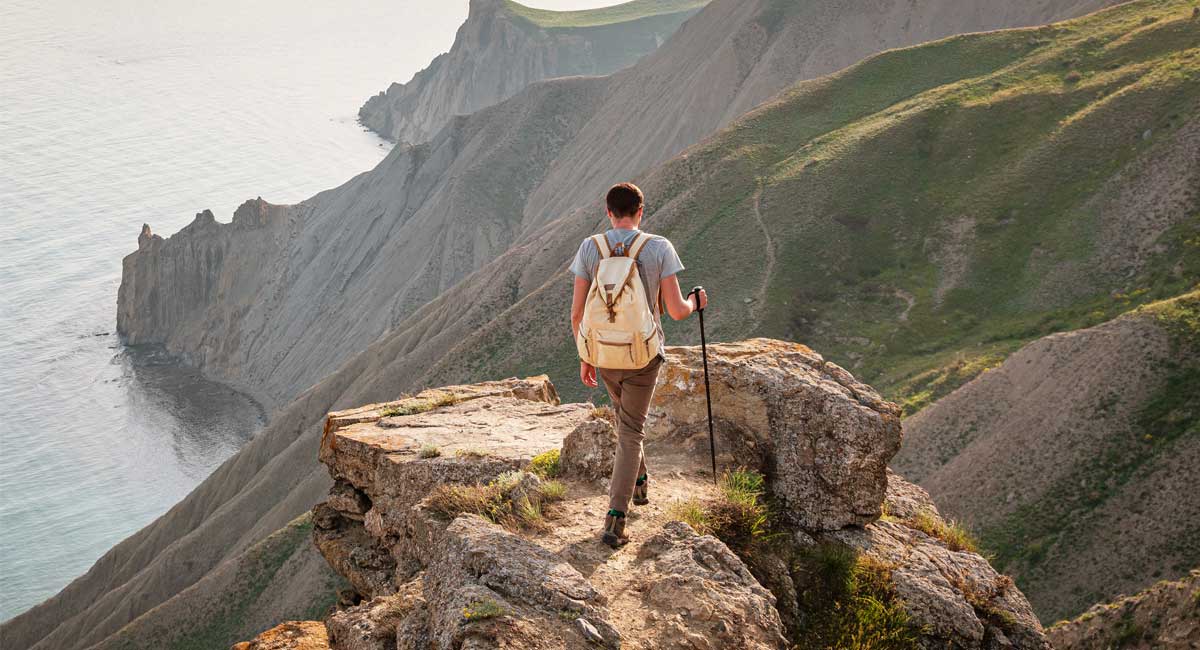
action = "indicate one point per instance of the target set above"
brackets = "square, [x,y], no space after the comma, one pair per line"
[630,391]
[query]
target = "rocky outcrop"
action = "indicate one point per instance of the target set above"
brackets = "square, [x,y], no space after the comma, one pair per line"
[543,602]
[1164,617]
[957,596]
[503,47]
[292,635]
[436,481]
[822,438]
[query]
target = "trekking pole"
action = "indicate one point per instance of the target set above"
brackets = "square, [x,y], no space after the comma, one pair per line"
[712,445]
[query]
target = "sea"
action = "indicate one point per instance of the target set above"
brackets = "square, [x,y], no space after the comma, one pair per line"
[123,112]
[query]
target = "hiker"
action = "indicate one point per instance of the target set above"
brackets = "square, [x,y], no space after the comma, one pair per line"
[618,332]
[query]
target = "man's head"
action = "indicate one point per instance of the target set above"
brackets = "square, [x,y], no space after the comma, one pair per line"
[625,204]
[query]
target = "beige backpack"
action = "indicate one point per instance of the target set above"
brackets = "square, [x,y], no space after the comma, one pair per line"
[619,329]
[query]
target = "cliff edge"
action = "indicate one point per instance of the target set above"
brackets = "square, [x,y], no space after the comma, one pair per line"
[466,517]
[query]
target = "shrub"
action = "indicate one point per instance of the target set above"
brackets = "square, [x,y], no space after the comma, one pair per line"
[740,516]
[469,452]
[529,513]
[956,537]
[429,451]
[453,500]
[480,610]
[1073,77]
[547,465]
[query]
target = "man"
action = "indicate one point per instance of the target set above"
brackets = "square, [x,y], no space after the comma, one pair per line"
[630,390]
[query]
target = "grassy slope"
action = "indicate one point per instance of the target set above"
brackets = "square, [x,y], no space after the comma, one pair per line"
[862,171]
[604,15]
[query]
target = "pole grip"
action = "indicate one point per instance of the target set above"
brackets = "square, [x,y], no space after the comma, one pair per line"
[696,290]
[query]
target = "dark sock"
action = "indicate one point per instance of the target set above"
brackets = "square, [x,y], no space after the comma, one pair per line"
[641,479]
[616,513]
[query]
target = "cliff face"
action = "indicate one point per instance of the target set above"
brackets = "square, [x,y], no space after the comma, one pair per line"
[263,302]
[503,47]
[1080,451]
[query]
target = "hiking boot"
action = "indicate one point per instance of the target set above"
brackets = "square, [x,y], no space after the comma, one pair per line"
[614,529]
[641,491]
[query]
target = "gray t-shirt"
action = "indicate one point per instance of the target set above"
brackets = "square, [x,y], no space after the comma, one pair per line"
[657,260]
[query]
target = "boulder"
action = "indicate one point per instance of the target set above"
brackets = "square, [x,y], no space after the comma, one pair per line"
[704,594]
[488,588]
[588,451]
[822,438]
[905,500]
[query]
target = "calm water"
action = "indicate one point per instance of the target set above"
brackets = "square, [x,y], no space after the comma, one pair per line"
[121,112]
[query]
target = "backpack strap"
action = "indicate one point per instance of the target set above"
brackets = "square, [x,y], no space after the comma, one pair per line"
[639,242]
[601,242]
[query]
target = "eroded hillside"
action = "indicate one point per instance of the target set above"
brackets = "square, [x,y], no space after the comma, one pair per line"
[1078,452]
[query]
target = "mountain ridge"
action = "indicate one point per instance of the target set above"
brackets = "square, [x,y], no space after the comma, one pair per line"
[504,46]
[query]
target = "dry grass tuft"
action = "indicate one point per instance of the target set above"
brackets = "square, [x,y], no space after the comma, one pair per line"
[955,535]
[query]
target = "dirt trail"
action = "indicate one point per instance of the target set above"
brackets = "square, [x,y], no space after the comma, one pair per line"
[577,521]
[760,295]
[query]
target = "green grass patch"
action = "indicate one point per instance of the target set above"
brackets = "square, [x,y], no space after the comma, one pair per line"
[693,513]
[849,602]
[739,515]
[553,491]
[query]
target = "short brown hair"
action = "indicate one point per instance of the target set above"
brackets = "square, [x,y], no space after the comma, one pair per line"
[624,199]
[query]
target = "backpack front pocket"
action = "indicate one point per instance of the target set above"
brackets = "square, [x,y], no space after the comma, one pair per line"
[617,350]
